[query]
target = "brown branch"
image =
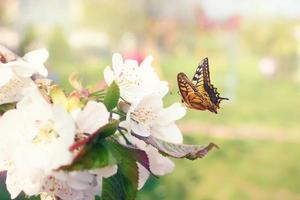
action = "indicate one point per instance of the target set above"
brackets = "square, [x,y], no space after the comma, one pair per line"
[6,55]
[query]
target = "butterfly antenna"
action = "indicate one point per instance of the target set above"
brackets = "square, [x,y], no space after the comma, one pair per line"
[224,98]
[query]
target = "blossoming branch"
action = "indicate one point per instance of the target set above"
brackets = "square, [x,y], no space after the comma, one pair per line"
[86,143]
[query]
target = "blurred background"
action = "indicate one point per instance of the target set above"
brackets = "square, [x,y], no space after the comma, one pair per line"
[254,52]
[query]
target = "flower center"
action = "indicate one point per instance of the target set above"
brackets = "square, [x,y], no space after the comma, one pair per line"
[46,133]
[143,115]
[130,76]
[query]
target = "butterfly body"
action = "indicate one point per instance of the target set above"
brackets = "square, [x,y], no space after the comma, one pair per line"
[199,93]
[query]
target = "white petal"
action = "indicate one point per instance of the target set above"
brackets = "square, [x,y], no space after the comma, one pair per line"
[108,75]
[163,88]
[28,181]
[154,102]
[140,129]
[170,133]
[13,187]
[75,113]
[5,74]
[159,164]
[147,62]
[93,116]
[22,69]
[117,63]
[43,71]
[38,56]
[131,64]
[143,175]
[171,114]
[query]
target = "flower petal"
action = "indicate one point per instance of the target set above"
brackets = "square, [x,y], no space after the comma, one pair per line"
[38,56]
[21,68]
[108,75]
[143,175]
[153,102]
[140,129]
[163,88]
[5,74]
[37,59]
[169,133]
[117,63]
[170,114]
[159,165]
[146,62]
[133,64]
[93,116]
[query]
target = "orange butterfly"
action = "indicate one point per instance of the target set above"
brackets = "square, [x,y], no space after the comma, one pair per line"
[199,93]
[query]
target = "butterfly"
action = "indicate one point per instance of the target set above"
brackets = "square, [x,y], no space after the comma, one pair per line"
[199,93]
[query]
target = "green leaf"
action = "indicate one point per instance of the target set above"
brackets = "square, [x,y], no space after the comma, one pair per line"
[112,96]
[190,152]
[91,156]
[94,151]
[124,184]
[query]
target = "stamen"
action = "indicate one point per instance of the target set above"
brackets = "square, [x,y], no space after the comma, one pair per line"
[46,134]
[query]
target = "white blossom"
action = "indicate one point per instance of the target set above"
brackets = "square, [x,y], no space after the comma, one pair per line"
[134,81]
[15,75]
[38,136]
[148,117]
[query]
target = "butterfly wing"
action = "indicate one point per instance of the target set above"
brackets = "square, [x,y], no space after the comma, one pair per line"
[190,96]
[201,80]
